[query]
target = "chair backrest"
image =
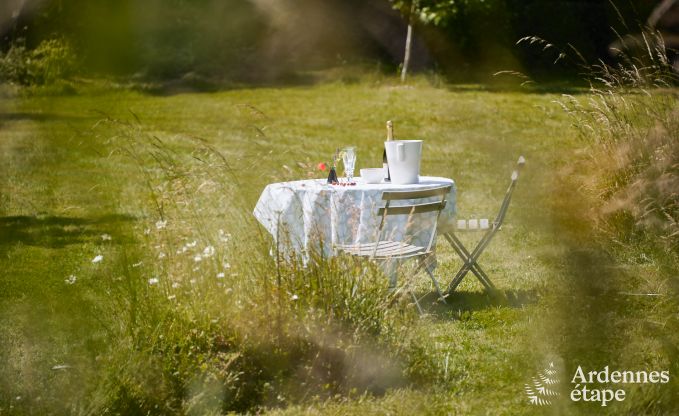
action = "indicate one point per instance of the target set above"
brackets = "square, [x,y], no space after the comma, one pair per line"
[414,208]
[508,195]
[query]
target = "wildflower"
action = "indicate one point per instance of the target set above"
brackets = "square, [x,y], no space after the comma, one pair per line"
[192,281]
[71,279]
[192,244]
[294,297]
[226,265]
[153,281]
[224,237]
[171,297]
[322,166]
[97,258]
[106,237]
[160,224]
[147,231]
[161,255]
[197,258]
[220,275]
[209,251]
[175,285]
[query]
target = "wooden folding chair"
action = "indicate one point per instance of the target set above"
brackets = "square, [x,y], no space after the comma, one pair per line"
[384,250]
[470,259]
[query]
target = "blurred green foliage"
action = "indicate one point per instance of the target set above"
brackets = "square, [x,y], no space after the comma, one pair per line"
[466,36]
[261,40]
[50,61]
[155,38]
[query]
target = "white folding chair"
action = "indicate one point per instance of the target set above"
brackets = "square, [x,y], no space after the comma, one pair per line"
[384,249]
[470,259]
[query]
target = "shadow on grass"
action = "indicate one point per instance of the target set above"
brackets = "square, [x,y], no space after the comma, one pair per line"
[461,302]
[28,116]
[58,232]
[193,84]
[550,88]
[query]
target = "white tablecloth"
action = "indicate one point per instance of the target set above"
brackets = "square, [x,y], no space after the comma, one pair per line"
[311,216]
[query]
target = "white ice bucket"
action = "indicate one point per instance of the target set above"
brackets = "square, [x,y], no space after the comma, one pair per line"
[404,158]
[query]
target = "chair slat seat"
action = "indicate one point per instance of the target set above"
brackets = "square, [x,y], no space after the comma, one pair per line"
[384,249]
[410,203]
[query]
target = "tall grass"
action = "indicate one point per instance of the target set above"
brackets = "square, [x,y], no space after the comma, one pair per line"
[620,219]
[211,318]
[631,118]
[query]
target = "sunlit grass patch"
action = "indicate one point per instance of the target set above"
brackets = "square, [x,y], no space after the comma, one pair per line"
[188,311]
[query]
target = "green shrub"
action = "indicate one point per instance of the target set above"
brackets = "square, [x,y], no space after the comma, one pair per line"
[51,61]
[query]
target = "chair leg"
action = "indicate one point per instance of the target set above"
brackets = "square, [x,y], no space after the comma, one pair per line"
[482,276]
[436,285]
[422,264]
[417,303]
[391,269]
[470,261]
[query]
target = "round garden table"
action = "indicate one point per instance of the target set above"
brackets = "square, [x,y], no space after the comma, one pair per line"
[312,216]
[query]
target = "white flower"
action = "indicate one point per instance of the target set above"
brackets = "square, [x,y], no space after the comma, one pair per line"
[224,237]
[294,297]
[175,285]
[226,265]
[153,281]
[97,258]
[71,279]
[160,224]
[220,275]
[192,281]
[197,258]
[171,297]
[147,231]
[192,244]
[209,251]
[161,255]
[106,237]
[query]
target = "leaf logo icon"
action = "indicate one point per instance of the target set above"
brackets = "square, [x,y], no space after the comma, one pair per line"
[538,391]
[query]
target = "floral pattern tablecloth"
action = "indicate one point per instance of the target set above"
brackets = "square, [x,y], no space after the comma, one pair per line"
[311,216]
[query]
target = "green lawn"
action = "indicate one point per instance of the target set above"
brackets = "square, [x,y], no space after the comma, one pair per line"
[76,174]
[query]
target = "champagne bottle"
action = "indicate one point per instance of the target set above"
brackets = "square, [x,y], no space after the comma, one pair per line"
[385,162]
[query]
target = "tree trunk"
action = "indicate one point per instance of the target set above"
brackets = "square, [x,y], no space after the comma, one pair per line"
[409,41]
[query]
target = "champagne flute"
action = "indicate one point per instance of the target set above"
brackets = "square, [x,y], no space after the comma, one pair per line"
[349,161]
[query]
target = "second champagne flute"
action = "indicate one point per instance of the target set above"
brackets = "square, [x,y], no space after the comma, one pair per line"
[349,161]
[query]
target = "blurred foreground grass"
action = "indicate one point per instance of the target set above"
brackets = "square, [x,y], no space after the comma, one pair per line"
[186,312]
